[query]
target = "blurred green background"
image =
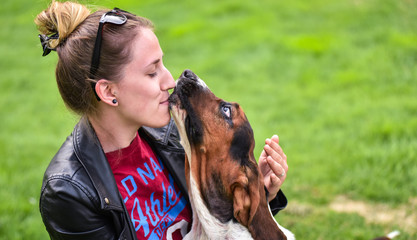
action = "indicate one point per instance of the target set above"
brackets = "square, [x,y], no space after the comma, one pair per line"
[336,80]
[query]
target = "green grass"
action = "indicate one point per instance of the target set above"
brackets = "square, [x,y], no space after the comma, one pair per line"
[335,80]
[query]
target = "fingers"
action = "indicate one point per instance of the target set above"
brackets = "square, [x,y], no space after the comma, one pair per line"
[274,144]
[278,170]
[275,181]
[275,152]
[275,138]
[273,163]
[272,184]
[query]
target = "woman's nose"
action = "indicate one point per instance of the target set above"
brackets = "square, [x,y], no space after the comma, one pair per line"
[168,81]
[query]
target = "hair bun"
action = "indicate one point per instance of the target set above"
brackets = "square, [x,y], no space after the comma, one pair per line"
[61,18]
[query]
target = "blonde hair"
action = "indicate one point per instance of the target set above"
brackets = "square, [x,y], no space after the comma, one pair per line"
[77,31]
[61,18]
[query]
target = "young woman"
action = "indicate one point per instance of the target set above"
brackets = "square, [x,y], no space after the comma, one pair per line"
[120,174]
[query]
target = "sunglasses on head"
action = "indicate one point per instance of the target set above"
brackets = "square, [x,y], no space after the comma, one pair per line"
[114,16]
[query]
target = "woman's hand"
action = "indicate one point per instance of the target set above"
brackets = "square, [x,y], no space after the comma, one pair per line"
[273,165]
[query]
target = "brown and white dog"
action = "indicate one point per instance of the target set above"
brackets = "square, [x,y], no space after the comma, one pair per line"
[225,185]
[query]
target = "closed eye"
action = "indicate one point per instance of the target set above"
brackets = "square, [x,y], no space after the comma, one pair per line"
[152,75]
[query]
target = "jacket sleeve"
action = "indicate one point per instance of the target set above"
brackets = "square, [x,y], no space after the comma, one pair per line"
[68,211]
[278,203]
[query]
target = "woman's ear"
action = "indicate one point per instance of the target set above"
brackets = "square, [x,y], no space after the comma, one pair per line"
[106,91]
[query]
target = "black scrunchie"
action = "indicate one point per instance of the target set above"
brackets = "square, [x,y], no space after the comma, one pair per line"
[45,43]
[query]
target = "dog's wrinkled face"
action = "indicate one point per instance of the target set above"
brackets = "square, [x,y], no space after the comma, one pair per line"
[219,143]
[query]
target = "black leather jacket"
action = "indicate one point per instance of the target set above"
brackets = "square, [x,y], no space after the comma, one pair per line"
[79,197]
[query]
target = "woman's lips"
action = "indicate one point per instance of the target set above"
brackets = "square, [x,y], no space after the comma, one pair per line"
[165,102]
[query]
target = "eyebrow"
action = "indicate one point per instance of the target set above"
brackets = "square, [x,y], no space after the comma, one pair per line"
[152,63]
[155,61]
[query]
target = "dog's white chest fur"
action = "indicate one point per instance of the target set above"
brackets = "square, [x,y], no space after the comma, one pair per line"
[206,226]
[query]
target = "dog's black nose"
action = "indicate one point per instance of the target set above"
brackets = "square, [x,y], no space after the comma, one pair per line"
[189,74]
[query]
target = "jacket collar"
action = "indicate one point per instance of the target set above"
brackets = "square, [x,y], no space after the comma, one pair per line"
[91,155]
[165,142]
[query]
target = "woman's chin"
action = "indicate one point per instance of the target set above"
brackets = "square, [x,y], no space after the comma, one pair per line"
[163,121]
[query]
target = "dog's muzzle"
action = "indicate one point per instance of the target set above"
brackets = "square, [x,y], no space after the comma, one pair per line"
[187,84]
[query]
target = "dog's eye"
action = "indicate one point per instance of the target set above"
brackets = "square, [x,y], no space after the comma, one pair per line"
[226,111]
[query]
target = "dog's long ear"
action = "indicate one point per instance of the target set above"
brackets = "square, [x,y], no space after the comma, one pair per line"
[246,199]
[245,188]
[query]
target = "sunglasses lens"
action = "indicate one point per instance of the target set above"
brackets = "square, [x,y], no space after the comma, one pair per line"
[114,18]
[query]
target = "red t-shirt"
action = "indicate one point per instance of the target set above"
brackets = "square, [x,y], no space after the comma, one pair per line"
[157,208]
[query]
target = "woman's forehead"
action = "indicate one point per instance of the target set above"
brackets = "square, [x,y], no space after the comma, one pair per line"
[146,48]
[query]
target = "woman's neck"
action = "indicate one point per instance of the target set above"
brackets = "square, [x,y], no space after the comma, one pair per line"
[112,133]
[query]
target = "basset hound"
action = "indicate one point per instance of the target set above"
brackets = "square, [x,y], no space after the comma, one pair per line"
[226,188]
